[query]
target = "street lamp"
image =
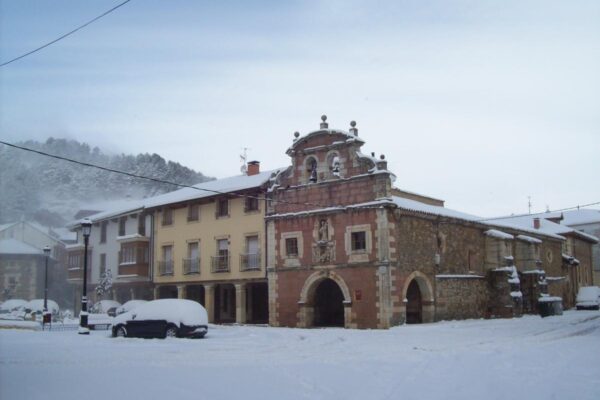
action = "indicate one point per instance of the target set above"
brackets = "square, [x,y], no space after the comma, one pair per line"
[86,227]
[46,319]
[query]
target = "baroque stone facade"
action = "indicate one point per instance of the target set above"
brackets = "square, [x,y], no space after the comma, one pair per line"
[347,248]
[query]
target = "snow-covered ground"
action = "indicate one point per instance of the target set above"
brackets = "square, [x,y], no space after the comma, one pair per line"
[528,358]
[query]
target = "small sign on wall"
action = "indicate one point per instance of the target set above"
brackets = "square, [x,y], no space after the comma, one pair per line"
[358,295]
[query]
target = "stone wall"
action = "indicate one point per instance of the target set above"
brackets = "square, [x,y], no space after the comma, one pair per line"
[461,298]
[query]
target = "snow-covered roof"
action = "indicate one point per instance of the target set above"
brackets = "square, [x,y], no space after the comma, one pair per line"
[417,206]
[114,209]
[499,234]
[6,226]
[525,222]
[529,239]
[302,139]
[574,217]
[14,246]
[211,188]
[65,234]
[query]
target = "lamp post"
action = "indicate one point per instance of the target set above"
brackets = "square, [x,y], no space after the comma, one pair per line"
[46,319]
[86,228]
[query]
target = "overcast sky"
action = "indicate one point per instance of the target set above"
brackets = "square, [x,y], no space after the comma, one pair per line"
[480,103]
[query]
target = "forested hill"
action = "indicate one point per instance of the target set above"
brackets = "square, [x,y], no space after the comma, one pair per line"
[51,191]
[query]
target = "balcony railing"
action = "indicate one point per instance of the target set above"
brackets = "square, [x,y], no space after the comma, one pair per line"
[249,262]
[165,267]
[191,266]
[220,264]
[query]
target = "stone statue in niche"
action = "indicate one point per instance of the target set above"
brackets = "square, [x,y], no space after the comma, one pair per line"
[323,231]
[323,249]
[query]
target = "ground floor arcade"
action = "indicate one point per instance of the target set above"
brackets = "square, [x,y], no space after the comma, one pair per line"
[225,302]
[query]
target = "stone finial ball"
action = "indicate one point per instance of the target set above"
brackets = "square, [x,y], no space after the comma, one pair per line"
[323,117]
[353,123]
[296,134]
[382,156]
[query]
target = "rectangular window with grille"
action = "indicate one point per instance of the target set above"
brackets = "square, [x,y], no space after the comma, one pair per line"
[291,247]
[359,241]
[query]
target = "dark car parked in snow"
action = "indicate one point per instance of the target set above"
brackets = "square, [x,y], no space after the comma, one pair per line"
[163,318]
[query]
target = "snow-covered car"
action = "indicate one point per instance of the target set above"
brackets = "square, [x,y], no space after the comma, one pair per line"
[37,306]
[588,298]
[12,305]
[163,318]
[102,306]
[128,306]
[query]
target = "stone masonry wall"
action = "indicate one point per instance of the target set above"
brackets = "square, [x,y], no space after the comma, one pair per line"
[460,298]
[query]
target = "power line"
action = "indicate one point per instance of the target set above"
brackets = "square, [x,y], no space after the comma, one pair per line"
[116,171]
[66,34]
[546,212]
[85,164]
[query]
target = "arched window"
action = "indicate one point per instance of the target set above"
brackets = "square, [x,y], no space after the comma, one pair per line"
[311,169]
[334,163]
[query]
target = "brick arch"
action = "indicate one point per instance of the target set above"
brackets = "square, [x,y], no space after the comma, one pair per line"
[424,285]
[311,283]
[306,165]
[329,158]
[427,294]
[307,297]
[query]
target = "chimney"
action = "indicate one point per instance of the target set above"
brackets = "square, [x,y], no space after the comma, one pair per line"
[536,223]
[253,168]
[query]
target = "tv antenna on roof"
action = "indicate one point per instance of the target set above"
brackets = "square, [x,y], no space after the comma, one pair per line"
[243,159]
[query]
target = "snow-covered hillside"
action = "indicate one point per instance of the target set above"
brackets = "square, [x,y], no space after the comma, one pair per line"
[50,191]
[529,358]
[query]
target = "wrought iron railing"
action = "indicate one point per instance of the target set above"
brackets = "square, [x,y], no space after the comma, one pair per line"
[249,262]
[191,266]
[165,267]
[220,264]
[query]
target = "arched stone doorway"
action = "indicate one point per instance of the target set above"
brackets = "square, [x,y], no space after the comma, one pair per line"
[419,304]
[325,301]
[414,304]
[328,304]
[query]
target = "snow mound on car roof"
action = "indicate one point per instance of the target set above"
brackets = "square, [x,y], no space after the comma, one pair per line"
[176,311]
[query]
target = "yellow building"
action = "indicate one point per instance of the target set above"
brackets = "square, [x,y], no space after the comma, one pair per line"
[209,246]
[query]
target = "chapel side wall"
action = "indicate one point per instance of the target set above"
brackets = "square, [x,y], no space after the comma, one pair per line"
[461,298]
[462,251]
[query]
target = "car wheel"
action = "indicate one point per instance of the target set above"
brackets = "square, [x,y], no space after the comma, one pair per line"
[121,331]
[171,331]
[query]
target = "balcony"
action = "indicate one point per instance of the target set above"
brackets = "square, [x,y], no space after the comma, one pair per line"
[220,263]
[191,266]
[250,262]
[75,273]
[133,260]
[165,268]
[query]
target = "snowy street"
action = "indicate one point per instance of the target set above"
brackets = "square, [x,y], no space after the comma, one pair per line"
[529,357]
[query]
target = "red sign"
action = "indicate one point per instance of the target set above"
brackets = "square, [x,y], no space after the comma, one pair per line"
[358,295]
